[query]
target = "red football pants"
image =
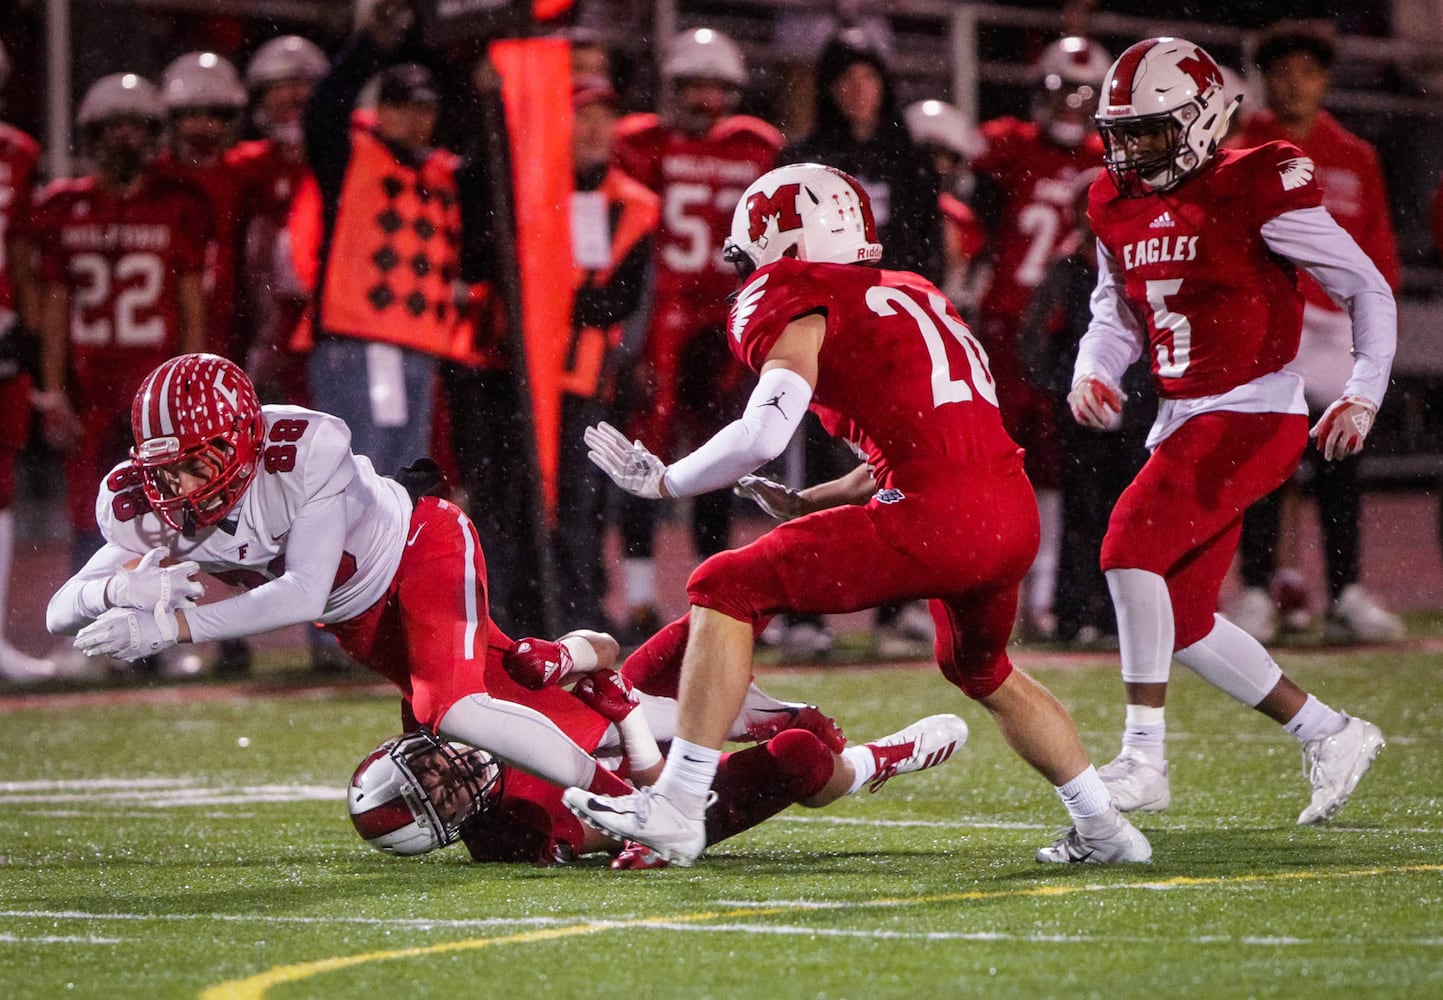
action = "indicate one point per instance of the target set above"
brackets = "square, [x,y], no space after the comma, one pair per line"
[963,542]
[1182,516]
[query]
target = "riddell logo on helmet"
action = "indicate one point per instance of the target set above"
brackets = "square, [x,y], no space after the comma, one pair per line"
[159,448]
[782,205]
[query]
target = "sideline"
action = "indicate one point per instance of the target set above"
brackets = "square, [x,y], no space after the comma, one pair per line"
[255,987]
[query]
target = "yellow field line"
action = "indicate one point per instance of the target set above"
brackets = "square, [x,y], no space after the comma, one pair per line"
[255,987]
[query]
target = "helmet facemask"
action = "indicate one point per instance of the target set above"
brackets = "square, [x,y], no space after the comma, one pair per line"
[1148,153]
[223,468]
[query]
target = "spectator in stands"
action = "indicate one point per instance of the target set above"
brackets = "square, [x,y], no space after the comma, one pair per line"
[385,307]
[1097,465]
[698,159]
[1025,191]
[613,217]
[121,262]
[19,158]
[1296,59]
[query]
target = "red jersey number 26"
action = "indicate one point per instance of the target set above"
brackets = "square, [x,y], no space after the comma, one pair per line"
[931,321]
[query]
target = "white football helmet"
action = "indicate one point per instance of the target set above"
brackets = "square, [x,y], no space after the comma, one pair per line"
[1071,61]
[1068,76]
[120,95]
[704,54]
[289,57]
[1164,109]
[202,80]
[807,211]
[413,793]
[937,123]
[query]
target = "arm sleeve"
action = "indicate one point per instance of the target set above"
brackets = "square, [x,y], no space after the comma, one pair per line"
[1312,239]
[759,435]
[1114,338]
[81,599]
[313,553]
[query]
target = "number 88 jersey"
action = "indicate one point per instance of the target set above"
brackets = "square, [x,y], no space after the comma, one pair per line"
[898,374]
[1219,307]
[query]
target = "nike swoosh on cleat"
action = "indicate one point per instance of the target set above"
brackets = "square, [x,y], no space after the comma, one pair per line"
[595,805]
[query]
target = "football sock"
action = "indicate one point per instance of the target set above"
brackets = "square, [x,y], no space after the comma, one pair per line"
[1085,797]
[757,783]
[1314,721]
[688,775]
[864,765]
[1146,731]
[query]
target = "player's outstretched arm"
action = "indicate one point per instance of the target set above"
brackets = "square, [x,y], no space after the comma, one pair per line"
[82,599]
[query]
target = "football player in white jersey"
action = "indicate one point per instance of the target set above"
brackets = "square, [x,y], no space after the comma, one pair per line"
[272,500]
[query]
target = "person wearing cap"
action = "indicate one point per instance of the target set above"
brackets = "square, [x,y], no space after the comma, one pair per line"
[385,306]
[1295,59]
[613,219]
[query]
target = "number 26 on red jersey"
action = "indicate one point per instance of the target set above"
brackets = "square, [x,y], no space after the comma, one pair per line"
[931,321]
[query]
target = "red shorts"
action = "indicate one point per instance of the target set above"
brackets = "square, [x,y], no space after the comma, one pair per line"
[14,428]
[1182,515]
[964,542]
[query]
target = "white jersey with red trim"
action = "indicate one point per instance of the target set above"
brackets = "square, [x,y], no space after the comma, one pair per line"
[309,490]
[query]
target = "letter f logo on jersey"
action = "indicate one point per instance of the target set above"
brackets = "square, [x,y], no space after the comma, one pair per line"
[782,205]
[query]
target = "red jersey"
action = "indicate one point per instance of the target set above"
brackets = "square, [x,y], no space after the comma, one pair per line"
[1038,179]
[1354,194]
[1219,307]
[899,374]
[121,258]
[699,179]
[19,155]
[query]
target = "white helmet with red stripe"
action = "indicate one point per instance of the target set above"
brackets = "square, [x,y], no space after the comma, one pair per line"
[1164,108]
[196,413]
[412,794]
[805,210]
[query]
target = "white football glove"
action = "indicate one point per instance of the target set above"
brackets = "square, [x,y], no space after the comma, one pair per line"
[628,463]
[1344,426]
[780,502]
[129,633]
[152,585]
[1096,404]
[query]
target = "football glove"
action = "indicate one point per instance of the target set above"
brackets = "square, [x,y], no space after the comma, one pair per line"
[1344,427]
[1095,403]
[152,585]
[129,633]
[628,463]
[780,502]
[537,663]
[608,694]
[636,856]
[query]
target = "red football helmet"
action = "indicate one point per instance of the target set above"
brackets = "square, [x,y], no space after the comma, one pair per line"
[196,414]
[413,793]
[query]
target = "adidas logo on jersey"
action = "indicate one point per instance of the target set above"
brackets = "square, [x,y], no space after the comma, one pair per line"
[1163,221]
[1295,172]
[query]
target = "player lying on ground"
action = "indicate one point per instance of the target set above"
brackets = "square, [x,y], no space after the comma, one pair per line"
[415,793]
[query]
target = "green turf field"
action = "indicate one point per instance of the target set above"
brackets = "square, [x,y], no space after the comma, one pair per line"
[201,848]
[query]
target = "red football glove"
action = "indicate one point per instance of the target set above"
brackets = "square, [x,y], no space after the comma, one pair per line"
[1096,404]
[537,663]
[608,694]
[637,857]
[1343,427]
[807,717]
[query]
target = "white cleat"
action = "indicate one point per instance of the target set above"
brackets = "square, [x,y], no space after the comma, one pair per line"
[1126,845]
[1335,764]
[1253,611]
[925,743]
[23,668]
[644,816]
[1135,783]
[1356,617]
